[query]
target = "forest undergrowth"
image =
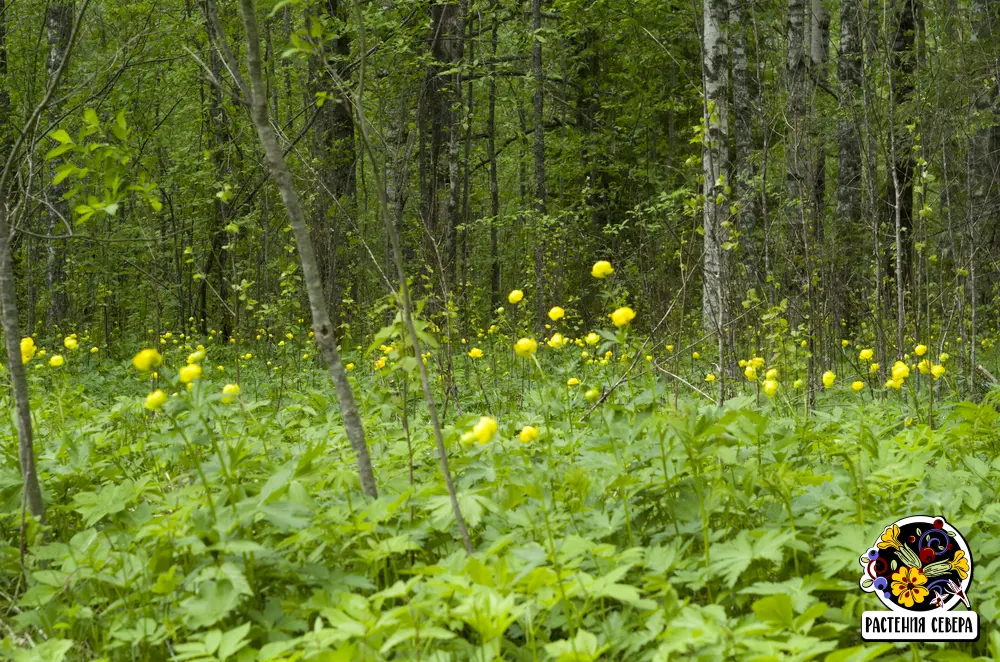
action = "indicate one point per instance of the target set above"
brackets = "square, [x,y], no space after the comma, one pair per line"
[191,519]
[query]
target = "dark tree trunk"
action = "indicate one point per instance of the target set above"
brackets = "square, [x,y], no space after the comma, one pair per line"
[539,151]
[903,65]
[491,155]
[334,151]
[59,24]
[441,128]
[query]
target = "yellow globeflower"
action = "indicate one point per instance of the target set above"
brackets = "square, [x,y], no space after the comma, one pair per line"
[750,373]
[670,348]
[349,367]
[858,385]
[380,363]
[602,269]
[483,431]
[866,354]
[572,381]
[829,378]
[155,400]
[229,392]
[622,316]
[528,434]
[196,356]
[56,361]
[900,371]
[70,342]
[695,355]
[592,394]
[556,313]
[556,341]
[95,350]
[515,296]
[920,350]
[804,344]
[771,374]
[525,347]
[476,353]
[592,338]
[938,370]
[709,377]
[797,383]
[770,387]
[944,357]
[845,343]
[873,368]
[28,349]
[924,367]
[247,356]
[189,373]
[147,359]
[894,384]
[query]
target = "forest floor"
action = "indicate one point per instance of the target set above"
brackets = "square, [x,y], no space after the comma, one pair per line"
[652,525]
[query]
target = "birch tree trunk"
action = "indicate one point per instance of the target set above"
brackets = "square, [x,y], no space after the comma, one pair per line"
[743,174]
[717,189]
[256,94]
[715,163]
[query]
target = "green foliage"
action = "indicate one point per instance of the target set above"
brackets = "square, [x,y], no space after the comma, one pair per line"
[213,531]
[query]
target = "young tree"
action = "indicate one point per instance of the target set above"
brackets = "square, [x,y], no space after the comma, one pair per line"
[255,95]
[9,167]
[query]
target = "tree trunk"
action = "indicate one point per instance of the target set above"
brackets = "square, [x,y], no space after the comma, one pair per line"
[902,63]
[491,156]
[715,163]
[797,171]
[58,23]
[8,301]
[539,150]
[334,150]
[743,189]
[819,49]
[848,139]
[257,97]
[443,131]
[12,141]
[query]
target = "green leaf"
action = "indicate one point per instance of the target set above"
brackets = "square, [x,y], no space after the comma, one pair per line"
[232,641]
[213,602]
[58,151]
[61,136]
[53,650]
[62,172]
[775,609]
[858,653]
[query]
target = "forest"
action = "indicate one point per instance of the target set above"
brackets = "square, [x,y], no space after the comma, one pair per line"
[562,330]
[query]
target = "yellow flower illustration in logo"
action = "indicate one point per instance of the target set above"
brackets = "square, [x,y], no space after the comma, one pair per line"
[908,585]
[889,538]
[960,564]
